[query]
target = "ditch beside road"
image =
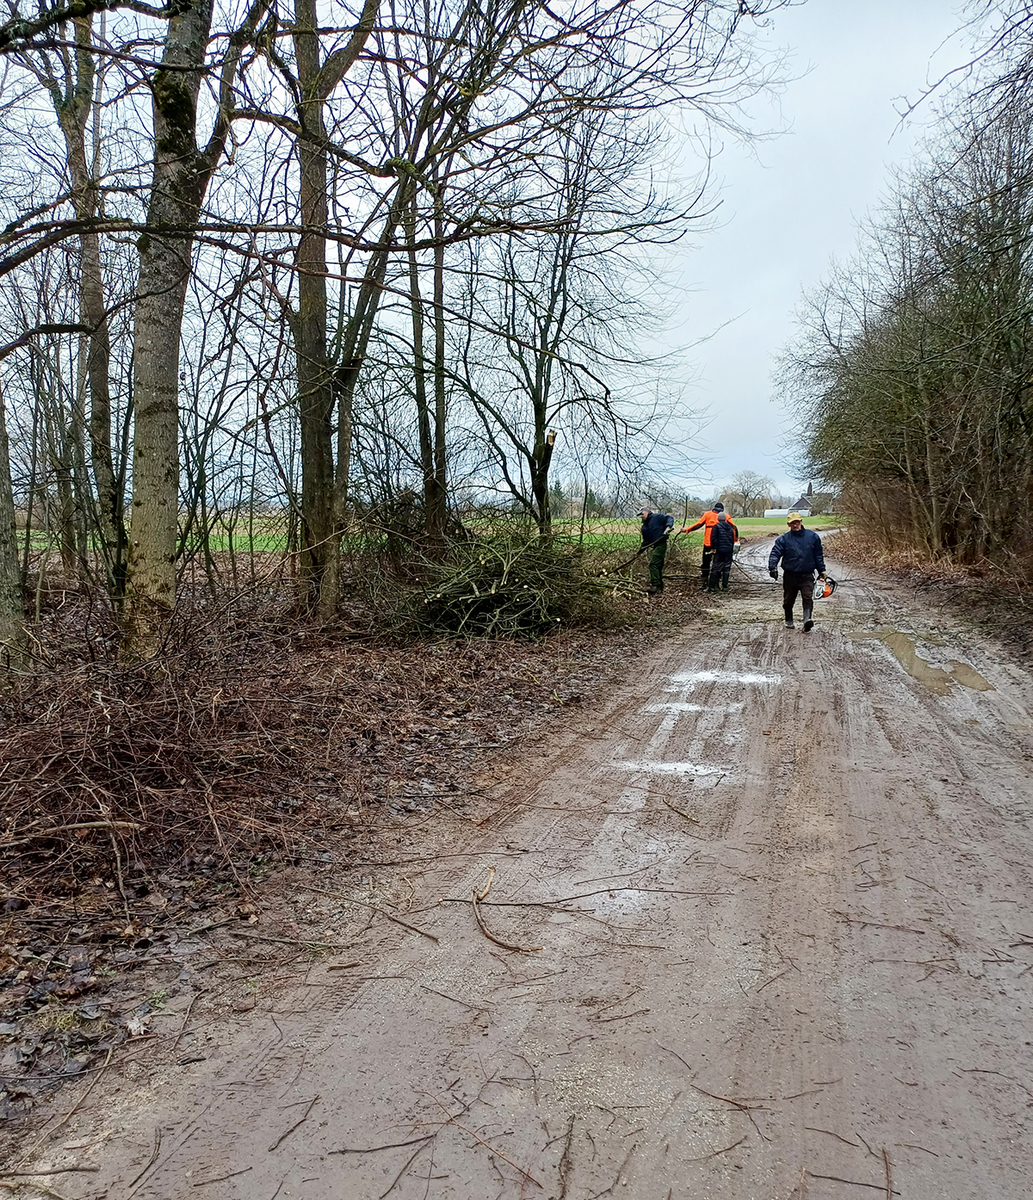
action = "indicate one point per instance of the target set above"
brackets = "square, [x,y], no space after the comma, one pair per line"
[758,927]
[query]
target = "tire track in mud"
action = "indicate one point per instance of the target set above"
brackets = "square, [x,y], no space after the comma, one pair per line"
[780,887]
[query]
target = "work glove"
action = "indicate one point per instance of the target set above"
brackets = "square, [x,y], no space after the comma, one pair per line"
[773,573]
[821,576]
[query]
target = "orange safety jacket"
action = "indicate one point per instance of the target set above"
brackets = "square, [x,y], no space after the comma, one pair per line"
[709,519]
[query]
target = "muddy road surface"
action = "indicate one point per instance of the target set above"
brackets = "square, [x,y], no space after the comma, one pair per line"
[759,926]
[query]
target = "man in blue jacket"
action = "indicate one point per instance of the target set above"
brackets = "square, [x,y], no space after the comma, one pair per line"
[801,555]
[656,526]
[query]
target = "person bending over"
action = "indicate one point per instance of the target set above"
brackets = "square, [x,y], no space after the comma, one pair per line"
[656,526]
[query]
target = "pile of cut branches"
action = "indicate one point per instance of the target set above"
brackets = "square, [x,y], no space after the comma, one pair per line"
[99,759]
[511,588]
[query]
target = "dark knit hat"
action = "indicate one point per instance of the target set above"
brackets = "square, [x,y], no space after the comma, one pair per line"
[718,506]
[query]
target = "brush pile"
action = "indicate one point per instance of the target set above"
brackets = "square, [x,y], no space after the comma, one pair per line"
[511,588]
[102,762]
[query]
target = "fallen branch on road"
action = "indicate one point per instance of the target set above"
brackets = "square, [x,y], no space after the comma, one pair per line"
[478,896]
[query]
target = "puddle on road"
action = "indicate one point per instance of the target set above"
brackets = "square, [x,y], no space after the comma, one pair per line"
[936,679]
[967,677]
[683,707]
[672,768]
[688,678]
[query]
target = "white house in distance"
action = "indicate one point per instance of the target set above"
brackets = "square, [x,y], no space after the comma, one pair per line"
[802,506]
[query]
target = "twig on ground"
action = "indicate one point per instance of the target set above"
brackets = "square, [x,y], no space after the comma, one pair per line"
[478,896]
[846,1141]
[408,1163]
[386,1146]
[772,980]
[261,937]
[579,896]
[715,1153]
[621,1016]
[220,1178]
[739,1104]
[39,1187]
[876,924]
[186,1017]
[565,1159]
[878,1187]
[477,1138]
[150,1162]
[300,1121]
[50,1171]
[456,1000]
[680,811]
[55,829]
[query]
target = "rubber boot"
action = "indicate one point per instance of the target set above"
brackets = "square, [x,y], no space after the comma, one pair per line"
[789,617]
[808,619]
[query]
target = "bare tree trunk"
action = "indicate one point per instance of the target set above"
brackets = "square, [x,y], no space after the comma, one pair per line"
[12,608]
[541,460]
[419,365]
[437,506]
[73,115]
[322,493]
[320,539]
[181,176]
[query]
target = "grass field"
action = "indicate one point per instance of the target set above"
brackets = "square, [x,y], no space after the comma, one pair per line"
[600,536]
[603,535]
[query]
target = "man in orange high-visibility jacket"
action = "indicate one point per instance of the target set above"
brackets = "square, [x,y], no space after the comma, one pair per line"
[707,523]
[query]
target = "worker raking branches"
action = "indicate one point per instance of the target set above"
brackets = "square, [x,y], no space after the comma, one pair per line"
[719,540]
[656,528]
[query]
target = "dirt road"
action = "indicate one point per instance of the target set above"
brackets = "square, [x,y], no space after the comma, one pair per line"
[779,891]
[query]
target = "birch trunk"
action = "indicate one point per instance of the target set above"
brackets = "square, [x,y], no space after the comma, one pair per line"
[181,176]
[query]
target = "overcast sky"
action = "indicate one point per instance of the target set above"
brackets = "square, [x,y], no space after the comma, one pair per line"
[791,204]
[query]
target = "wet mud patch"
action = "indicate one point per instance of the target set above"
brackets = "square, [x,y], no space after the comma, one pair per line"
[938,680]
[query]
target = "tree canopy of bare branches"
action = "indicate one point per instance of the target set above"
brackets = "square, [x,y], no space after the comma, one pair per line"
[310,253]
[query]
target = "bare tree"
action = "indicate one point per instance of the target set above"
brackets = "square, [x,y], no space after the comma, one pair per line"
[73,83]
[748,493]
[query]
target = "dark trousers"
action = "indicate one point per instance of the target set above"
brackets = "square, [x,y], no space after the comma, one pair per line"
[796,584]
[706,564]
[656,565]
[720,569]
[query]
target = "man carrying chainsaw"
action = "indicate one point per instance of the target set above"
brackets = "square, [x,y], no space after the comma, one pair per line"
[800,553]
[656,526]
[707,522]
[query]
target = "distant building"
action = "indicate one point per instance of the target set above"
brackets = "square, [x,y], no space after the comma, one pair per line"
[802,506]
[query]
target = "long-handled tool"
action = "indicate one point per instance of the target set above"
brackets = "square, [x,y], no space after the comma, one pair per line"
[641,550]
